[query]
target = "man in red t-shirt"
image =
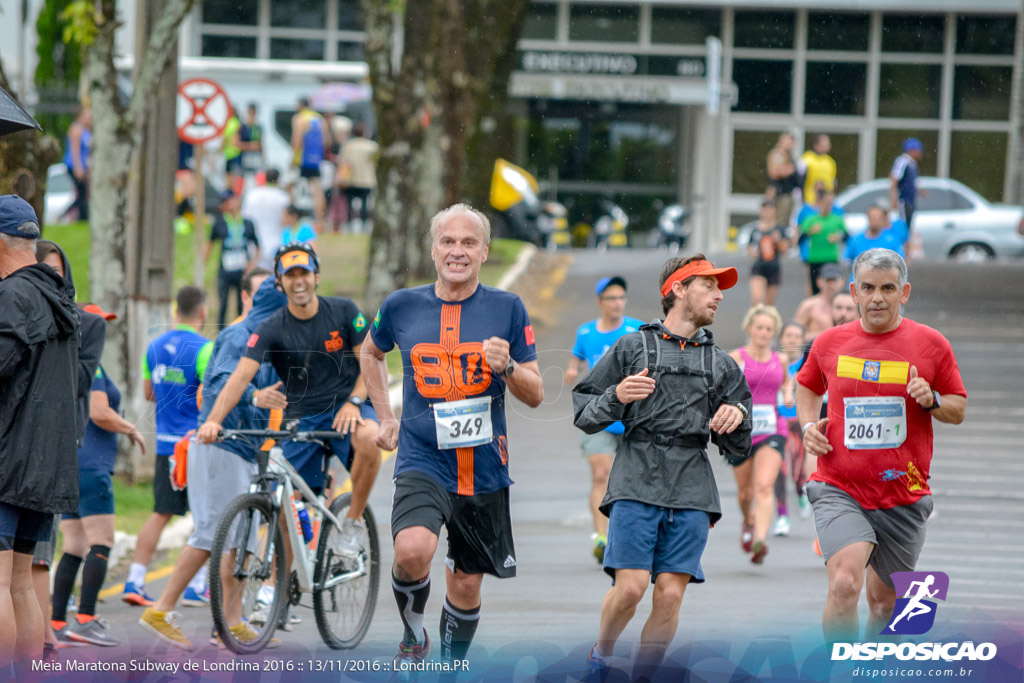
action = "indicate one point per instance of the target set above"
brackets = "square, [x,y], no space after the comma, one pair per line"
[886,378]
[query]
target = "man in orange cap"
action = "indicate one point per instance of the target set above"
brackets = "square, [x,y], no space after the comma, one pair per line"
[679,389]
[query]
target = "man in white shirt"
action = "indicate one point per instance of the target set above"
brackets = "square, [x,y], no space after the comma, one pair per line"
[264,205]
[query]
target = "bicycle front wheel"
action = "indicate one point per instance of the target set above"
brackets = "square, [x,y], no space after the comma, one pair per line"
[247,555]
[345,588]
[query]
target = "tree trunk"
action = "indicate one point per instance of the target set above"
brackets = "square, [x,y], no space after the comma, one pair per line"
[455,56]
[117,132]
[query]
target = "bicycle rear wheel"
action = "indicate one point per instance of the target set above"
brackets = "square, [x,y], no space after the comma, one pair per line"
[345,589]
[249,522]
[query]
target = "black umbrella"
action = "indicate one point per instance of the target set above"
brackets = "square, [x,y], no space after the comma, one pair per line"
[12,117]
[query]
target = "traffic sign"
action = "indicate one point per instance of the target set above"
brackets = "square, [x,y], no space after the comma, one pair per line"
[203,110]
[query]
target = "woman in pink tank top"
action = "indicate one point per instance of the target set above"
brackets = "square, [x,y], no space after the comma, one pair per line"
[767,372]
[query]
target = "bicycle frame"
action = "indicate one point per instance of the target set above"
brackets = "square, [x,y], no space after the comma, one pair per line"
[279,470]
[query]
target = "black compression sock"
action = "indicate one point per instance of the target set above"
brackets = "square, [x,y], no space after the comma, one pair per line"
[457,629]
[411,597]
[93,573]
[63,583]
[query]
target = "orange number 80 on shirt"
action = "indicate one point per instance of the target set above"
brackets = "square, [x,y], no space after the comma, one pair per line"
[440,373]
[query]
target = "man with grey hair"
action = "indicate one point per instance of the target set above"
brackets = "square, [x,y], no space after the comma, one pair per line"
[462,345]
[887,377]
[39,333]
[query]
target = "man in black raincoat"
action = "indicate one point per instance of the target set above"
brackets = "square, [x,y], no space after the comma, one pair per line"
[672,388]
[39,337]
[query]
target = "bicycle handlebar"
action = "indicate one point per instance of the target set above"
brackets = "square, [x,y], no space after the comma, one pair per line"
[289,434]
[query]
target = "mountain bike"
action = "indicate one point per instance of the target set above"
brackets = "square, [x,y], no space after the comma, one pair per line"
[343,588]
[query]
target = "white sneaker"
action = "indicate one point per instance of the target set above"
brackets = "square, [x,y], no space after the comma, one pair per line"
[782,526]
[349,541]
[805,506]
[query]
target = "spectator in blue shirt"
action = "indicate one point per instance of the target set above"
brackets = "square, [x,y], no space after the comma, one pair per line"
[880,234]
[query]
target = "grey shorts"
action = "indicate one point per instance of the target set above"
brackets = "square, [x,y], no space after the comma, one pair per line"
[215,477]
[897,533]
[602,443]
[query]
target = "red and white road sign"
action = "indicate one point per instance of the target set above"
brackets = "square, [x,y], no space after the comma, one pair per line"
[203,110]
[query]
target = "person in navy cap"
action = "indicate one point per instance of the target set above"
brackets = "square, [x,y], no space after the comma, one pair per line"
[39,336]
[903,189]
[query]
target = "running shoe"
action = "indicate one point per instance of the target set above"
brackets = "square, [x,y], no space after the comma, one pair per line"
[597,667]
[759,550]
[600,543]
[62,637]
[260,615]
[746,537]
[348,543]
[164,625]
[136,595]
[244,633]
[96,631]
[782,526]
[805,506]
[409,658]
[193,598]
[817,547]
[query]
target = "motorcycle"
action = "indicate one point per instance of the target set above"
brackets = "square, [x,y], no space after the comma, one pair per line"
[674,228]
[610,227]
[515,194]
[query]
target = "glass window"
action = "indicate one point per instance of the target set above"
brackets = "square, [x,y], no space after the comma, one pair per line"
[970,162]
[351,52]
[890,145]
[837,31]
[541,22]
[844,150]
[605,23]
[835,88]
[228,46]
[910,90]
[749,160]
[229,12]
[943,200]
[913,32]
[350,15]
[764,29]
[680,26]
[296,48]
[764,86]
[986,35]
[298,14]
[982,93]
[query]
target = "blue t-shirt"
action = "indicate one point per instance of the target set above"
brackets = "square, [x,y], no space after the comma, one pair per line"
[858,244]
[789,412]
[99,447]
[302,233]
[175,362]
[591,344]
[443,360]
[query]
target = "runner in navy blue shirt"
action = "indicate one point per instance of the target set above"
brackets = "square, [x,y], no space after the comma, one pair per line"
[462,344]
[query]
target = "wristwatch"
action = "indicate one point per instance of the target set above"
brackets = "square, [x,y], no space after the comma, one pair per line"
[356,401]
[936,401]
[509,369]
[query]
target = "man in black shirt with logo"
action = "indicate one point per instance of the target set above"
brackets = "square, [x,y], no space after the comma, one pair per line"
[313,344]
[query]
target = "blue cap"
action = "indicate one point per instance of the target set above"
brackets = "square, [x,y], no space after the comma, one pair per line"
[226,195]
[910,144]
[18,218]
[606,282]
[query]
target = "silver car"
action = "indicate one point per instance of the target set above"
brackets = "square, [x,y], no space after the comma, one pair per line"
[952,220]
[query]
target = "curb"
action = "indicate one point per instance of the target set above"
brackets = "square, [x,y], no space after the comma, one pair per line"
[519,267]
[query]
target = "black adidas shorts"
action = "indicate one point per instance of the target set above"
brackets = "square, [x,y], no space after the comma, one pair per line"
[479,527]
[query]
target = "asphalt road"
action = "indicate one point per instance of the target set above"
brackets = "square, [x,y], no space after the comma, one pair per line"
[551,611]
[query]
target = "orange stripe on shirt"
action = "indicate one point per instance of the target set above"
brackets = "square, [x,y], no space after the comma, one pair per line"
[451,317]
[465,459]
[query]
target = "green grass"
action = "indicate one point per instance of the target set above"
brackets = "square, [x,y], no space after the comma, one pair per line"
[133,504]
